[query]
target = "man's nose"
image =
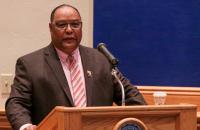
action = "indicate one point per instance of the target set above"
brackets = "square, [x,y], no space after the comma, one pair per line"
[68,28]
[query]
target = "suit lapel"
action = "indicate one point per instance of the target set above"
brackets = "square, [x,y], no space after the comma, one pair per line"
[54,63]
[88,72]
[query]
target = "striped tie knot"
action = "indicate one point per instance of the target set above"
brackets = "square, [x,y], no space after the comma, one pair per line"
[71,61]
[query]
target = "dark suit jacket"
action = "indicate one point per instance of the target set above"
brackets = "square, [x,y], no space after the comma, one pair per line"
[40,85]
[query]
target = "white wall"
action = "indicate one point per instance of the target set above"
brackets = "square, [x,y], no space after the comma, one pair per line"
[24,28]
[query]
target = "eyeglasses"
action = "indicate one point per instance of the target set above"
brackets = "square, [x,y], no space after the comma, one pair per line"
[64,25]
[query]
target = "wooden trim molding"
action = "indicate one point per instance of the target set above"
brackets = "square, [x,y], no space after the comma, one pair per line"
[175,95]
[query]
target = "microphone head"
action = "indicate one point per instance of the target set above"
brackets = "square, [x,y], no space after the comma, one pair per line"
[102,48]
[100,45]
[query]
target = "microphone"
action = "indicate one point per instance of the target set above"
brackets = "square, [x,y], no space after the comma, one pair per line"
[102,48]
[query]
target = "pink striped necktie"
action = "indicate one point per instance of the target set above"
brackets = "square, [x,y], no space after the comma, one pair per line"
[77,83]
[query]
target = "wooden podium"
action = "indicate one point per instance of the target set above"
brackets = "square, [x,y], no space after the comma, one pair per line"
[163,117]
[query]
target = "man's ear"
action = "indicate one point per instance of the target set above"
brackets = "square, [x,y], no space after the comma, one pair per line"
[50,27]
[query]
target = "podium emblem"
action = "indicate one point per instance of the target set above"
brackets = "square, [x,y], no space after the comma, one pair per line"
[130,124]
[130,127]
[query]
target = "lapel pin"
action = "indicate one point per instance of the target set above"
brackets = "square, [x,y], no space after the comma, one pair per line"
[89,73]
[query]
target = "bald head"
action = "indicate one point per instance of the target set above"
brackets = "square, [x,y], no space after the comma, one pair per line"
[61,6]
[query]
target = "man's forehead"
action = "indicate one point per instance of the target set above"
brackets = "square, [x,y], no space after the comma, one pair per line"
[66,10]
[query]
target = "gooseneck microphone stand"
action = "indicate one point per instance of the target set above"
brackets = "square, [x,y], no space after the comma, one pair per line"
[114,73]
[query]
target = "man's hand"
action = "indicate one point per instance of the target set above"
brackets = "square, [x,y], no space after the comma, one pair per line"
[31,127]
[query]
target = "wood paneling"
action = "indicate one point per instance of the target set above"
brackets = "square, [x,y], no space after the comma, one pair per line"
[4,124]
[175,95]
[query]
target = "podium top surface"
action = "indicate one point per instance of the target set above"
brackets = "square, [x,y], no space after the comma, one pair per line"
[127,108]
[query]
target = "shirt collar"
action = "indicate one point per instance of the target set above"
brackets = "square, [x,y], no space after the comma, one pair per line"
[63,56]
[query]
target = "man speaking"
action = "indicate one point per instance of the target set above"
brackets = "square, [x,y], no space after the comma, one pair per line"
[64,73]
